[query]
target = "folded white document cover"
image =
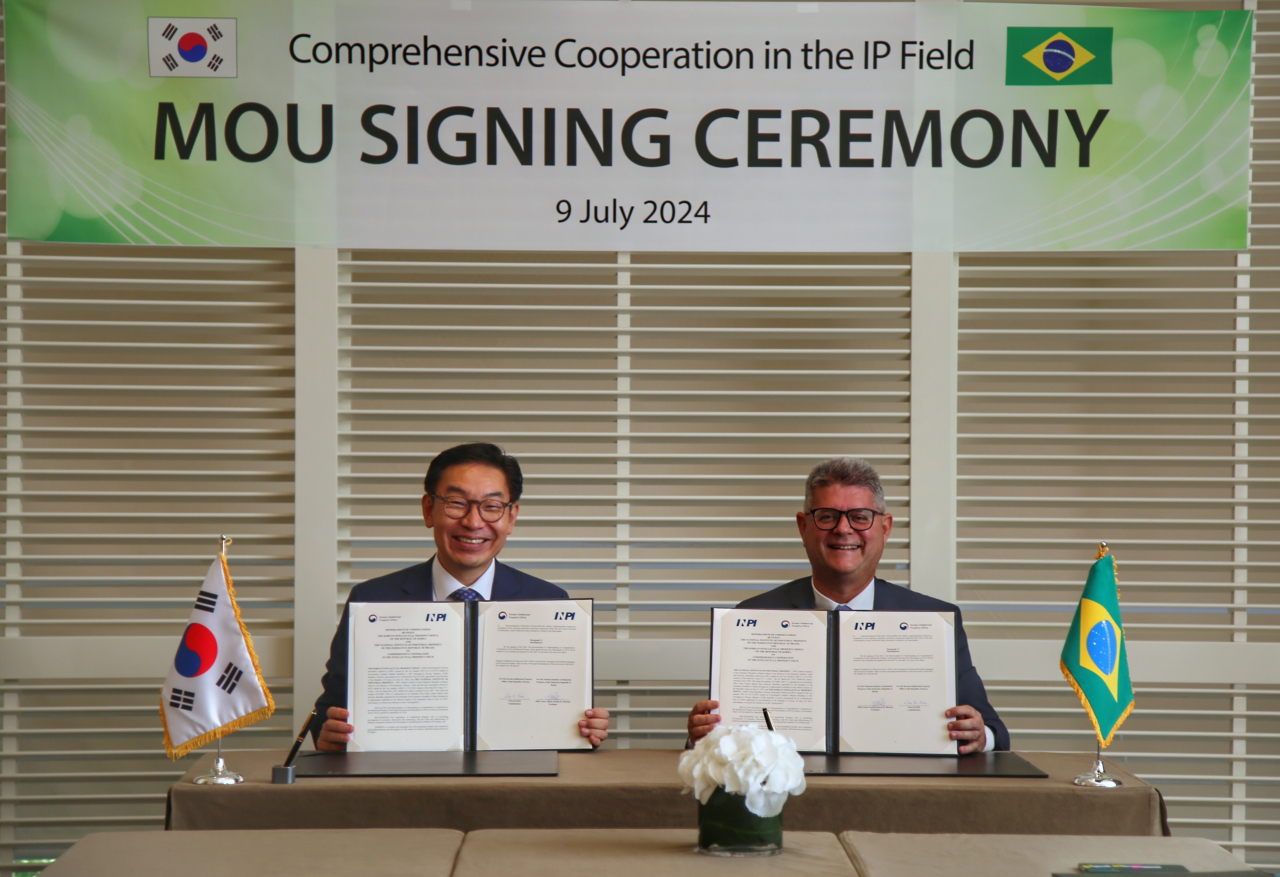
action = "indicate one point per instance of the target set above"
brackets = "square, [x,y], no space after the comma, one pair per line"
[876,682]
[467,676]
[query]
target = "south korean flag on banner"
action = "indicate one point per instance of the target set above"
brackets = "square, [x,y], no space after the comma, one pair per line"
[192,47]
[215,685]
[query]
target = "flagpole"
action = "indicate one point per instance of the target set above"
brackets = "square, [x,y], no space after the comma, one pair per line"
[220,775]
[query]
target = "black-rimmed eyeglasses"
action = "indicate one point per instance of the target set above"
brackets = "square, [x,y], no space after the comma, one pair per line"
[491,510]
[859,519]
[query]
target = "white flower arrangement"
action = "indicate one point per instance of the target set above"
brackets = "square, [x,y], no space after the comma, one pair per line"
[748,760]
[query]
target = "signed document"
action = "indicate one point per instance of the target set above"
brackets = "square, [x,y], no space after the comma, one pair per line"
[405,676]
[536,674]
[774,658]
[897,680]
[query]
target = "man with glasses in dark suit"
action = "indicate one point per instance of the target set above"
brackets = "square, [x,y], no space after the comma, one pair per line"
[470,504]
[844,527]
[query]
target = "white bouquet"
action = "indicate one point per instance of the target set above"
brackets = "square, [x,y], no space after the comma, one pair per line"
[745,760]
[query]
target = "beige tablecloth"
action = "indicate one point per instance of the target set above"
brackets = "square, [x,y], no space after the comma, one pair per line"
[642,852]
[305,853]
[1005,855]
[638,788]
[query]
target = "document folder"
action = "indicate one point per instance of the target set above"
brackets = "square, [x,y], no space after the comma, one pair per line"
[977,764]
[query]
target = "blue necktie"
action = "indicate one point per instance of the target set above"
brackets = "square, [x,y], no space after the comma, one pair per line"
[843,608]
[465,595]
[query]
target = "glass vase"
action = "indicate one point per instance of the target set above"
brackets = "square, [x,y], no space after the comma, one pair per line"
[727,828]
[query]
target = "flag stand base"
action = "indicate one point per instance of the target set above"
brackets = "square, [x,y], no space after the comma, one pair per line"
[220,775]
[1099,778]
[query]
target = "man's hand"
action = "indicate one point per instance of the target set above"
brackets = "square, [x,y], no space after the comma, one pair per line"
[701,721]
[968,728]
[335,733]
[595,727]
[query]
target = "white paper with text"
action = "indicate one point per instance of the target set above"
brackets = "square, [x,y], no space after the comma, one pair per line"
[405,671]
[775,659]
[897,680]
[536,674]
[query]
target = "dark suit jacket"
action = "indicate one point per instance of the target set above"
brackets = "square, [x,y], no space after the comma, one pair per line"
[890,597]
[412,585]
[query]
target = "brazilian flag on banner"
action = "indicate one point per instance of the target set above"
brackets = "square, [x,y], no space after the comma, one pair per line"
[1095,659]
[1057,56]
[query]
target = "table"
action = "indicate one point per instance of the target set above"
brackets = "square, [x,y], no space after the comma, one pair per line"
[312,852]
[622,852]
[639,788]
[1007,855]
[426,852]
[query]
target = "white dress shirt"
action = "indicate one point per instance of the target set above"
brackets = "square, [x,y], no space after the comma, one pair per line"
[443,584]
[865,601]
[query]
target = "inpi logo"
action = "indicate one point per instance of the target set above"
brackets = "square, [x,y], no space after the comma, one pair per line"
[746,622]
[864,625]
[565,616]
[437,616]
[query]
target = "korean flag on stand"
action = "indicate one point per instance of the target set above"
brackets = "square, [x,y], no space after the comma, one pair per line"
[204,47]
[215,685]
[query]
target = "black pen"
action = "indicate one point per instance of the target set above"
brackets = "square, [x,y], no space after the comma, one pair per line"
[297,744]
[768,722]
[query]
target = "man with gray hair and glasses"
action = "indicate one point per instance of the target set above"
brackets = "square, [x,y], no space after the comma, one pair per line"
[844,527]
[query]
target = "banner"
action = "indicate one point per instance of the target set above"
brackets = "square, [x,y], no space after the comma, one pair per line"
[640,126]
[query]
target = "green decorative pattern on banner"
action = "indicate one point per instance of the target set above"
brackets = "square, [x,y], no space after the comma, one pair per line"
[1168,169]
[1053,56]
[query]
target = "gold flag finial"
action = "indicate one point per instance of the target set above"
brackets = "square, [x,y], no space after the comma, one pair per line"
[1103,550]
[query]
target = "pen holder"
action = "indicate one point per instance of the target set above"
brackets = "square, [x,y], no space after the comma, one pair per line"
[283,775]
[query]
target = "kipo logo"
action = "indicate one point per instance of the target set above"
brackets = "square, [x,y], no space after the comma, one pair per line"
[1049,56]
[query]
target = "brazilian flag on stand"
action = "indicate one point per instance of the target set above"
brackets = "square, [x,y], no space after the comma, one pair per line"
[1095,659]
